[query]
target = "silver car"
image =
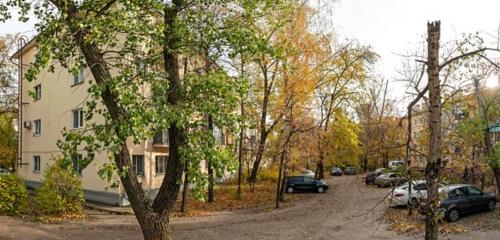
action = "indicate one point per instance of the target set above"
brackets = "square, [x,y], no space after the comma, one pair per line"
[389,179]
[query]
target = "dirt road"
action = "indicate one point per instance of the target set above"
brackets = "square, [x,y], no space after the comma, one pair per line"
[337,214]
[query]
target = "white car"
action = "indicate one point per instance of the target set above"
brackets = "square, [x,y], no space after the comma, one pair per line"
[402,197]
[308,173]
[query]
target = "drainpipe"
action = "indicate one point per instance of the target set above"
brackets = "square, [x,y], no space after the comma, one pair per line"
[21,43]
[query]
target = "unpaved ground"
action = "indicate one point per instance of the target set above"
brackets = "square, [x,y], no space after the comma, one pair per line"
[337,214]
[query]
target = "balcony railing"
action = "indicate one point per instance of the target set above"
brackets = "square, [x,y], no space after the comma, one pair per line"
[161,139]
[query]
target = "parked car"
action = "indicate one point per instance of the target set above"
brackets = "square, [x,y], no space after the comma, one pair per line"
[336,171]
[402,196]
[350,171]
[380,170]
[308,173]
[389,179]
[396,164]
[460,199]
[370,177]
[303,184]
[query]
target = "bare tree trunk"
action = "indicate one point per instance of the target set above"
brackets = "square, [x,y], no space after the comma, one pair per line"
[432,170]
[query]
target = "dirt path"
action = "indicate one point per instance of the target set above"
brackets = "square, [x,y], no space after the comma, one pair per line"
[337,214]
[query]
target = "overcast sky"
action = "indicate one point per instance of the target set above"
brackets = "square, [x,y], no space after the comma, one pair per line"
[392,27]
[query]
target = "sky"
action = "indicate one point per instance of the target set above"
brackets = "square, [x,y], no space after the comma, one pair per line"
[392,27]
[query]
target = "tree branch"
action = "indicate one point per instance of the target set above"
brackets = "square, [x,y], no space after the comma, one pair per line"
[466,55]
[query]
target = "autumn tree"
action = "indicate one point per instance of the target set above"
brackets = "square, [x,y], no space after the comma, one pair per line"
[337,88]
[8,104]
[144,41]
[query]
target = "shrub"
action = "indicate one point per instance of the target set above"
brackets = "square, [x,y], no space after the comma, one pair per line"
[268,174]
[61,191]
[13,194]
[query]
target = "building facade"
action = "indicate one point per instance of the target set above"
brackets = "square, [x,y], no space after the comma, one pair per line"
[56,101]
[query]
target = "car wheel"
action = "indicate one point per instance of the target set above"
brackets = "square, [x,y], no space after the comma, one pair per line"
[289,189]
[453,215]
[413,202]
[491,205]
[321,189]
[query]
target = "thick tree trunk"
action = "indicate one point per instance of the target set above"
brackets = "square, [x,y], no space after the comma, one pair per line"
[153,219]
[432,170]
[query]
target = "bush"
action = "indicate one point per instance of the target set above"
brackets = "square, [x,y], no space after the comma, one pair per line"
[13,194]
[61,191]
[268,174]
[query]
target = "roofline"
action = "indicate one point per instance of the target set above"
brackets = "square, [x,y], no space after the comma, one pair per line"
[30,44]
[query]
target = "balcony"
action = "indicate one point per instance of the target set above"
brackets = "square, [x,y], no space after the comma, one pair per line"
[160,139]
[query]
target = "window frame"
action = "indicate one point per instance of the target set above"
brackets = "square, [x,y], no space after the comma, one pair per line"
[79,78]
[134,159]
[38,127]
[80,118]
[37,92]
[37,164]
[163,164]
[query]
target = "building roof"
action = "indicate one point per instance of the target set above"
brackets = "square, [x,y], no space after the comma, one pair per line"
[31,43]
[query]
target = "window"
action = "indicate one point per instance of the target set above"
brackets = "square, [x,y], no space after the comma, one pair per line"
[77,118]
[38,127]
[160,164]
[37,94]
[36,164]
[457,193]
[473,191]
[78,78]
[420,186]
[138,164]
[308,180]
[77,159]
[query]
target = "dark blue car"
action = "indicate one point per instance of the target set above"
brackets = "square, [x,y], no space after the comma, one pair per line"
[461,199]
[304,184]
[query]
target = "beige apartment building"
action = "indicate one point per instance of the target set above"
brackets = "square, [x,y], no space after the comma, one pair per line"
[55,101]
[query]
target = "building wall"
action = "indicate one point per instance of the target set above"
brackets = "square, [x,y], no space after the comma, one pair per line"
[54,109]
